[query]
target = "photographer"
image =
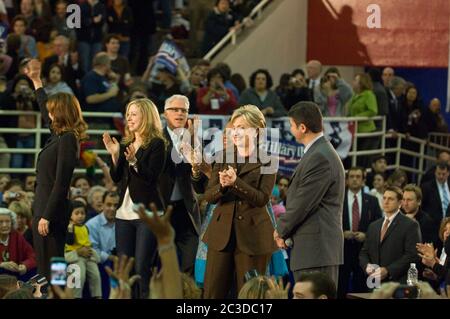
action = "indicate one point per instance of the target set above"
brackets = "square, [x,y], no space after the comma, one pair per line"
[21,98]
[215,98]
[297,89]
[334,93]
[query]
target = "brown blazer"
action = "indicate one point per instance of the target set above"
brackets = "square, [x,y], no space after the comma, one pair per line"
[252,224]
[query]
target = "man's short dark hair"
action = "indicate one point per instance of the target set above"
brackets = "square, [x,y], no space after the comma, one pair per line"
[298,71]
[357,168]
[308,114]
[443,165]
[109,194]
[110,36]
[377,158]
[212,73]
[397,190]
[322,284]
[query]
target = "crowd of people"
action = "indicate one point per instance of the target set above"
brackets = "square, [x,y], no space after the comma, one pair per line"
[387,223]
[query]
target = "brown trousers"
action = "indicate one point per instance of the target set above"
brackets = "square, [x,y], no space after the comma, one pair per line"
[221,267]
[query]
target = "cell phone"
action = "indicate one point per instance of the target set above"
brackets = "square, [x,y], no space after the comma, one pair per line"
[406,292]
[76,191]
[58,270]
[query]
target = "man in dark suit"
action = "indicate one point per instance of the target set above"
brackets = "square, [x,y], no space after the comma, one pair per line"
[360,210]
[315,197]
[177,186]
[442,156]
[68,60]
[436,194]
[390,244]
[412,199]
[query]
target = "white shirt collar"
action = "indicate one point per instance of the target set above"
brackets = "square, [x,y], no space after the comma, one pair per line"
[307,147]
[5,243]
[391,218]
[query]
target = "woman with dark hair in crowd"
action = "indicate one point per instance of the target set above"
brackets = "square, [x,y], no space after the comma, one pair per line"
[297,89]
[215,98]
[54,169]
[55,81]
[82,185]
[262,96]
[120,20]
[136,165]
[284,85]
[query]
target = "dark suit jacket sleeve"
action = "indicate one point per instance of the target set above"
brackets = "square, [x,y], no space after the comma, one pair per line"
[214,191]
[67,159]
[255,197]
[364,258]
[116,171]
[200,184]
[309,191]
[151,166]
[398,268]
[377,214]
[41,98]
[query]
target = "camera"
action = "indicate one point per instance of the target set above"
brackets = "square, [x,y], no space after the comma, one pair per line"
[76,192]
[406,292]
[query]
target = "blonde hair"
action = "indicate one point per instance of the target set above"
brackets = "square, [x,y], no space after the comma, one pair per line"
[444,223]
[151,126]
[21,209]
[251,114]
[255,288]
[67,116]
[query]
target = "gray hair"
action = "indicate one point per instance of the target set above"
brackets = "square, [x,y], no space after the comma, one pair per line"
[94,190]
[176,97]
[396,81]
[11,214]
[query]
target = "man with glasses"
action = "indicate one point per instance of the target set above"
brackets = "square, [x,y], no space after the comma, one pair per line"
[176,184]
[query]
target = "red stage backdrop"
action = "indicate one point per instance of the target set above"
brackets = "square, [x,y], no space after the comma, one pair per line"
[413,33]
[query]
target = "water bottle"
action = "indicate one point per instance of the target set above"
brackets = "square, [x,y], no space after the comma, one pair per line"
[412,275]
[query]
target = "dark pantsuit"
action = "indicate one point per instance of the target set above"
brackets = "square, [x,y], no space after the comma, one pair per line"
[186,238]
[221,267]
[332,271]
[47,247]
[134,239]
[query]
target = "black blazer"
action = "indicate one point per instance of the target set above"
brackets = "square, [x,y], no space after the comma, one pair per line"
[187,185]
[428,228]
[431,201]
[142,183]
[429,176]
[370,212]
[55,165]
[396,251]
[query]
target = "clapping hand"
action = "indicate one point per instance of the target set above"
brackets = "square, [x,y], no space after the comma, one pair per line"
[227,177]
[111,144]
[130,154]
[428,254]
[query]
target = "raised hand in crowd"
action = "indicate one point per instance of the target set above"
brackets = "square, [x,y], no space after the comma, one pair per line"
[166,283]
[277,289]
[121,282]
[33,71]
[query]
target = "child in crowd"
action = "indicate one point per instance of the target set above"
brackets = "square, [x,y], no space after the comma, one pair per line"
[79,251]
[277,204]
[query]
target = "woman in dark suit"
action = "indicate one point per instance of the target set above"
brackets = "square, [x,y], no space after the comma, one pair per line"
[239,236]
[137,164]
[55,165]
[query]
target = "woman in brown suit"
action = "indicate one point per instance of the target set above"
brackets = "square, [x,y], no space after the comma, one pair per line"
[239,236]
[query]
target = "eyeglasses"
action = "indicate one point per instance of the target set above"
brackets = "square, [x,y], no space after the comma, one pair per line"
[177,109]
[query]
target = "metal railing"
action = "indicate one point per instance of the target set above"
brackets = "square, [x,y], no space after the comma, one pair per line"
[39,131]
[426,153]
[231,36]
